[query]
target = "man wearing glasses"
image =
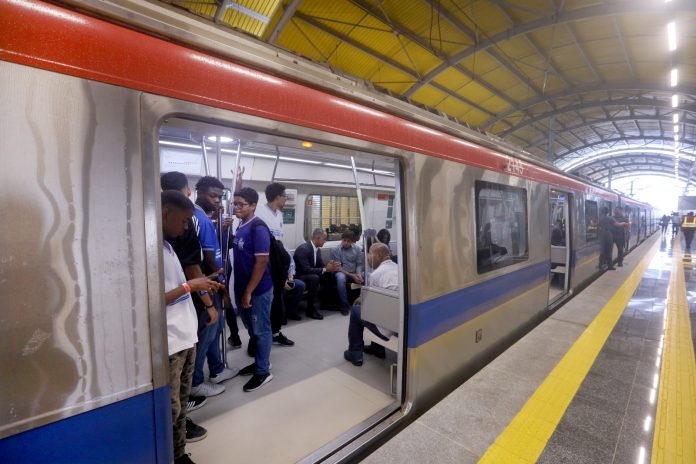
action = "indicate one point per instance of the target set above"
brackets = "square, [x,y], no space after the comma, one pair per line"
[253,286]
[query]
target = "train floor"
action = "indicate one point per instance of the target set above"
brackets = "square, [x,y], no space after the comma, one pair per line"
[314,398]
[608,378]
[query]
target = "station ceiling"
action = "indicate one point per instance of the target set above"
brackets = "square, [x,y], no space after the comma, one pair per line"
[584,84]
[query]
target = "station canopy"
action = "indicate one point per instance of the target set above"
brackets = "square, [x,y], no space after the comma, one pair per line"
[602,89]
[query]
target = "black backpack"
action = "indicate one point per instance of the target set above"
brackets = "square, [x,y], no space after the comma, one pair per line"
[278,258]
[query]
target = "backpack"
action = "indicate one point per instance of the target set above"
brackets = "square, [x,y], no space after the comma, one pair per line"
[278,258]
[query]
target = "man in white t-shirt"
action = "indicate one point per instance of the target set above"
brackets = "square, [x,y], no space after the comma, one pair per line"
[272,214]
[385,275]
[182,322]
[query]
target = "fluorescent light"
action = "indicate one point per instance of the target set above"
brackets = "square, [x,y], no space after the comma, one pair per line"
[333,165]
[179,144]
[672,36]
[676,128]
[675,101]
[298,160]
[675,118]
[223,139]
[674,77]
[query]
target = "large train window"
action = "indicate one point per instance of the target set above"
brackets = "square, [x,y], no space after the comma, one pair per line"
[501,226]
[335,214]
[591,221]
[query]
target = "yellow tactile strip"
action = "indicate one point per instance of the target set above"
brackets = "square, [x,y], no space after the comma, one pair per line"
[674,440]
[527,434]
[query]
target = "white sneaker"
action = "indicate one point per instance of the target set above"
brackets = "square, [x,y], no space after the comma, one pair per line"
[226,374]
[207,389]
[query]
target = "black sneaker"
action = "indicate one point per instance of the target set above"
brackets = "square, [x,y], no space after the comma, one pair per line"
[185,459]
[235,344]
[281,339]
[257,381]
[251,369]
[195,402]
[251,348]
[194,432]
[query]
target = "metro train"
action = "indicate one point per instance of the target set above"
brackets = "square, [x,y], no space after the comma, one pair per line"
[99,100]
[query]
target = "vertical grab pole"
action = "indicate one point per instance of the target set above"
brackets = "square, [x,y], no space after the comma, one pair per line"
[205,157]
[218,168]
[361,209]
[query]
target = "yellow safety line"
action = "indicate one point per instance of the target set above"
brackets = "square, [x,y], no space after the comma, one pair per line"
[674,440]
[527,434]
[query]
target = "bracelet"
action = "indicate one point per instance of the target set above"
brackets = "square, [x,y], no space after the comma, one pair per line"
[187,287]
[209,306]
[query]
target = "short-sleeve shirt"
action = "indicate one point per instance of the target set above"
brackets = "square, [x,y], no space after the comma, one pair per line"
[274,221]
[386,276]
[250,242]
[207,236]
[182,323]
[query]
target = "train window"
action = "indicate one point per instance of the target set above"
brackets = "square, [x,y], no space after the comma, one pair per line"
[501,226]
[334,214]
[591,221]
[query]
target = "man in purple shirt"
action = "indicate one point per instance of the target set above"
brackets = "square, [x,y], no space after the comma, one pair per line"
[253,286]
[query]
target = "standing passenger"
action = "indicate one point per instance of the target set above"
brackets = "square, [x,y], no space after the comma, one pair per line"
[208,194]
[253,286]
[181,317]
[688,227]
[676,222]
[606,240]
[618,233]
[272,214]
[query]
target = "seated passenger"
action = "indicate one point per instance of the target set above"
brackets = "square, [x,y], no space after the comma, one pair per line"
[385,275]
[310,268]
[486,249]
[557,235]
[351,270]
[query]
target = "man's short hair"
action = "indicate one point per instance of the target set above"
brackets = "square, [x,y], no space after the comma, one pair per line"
[207,182]
[176,200]
[249,194]
[348,234]
[273,190]
[380,249]
[173,180]
[318,232]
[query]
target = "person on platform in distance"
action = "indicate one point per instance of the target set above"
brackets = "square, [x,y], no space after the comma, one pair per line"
[688,228]
[182,322]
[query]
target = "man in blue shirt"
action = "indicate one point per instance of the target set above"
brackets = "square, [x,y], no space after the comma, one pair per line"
[209,192]
[253,286]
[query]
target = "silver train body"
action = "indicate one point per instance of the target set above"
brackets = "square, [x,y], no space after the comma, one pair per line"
[83,329]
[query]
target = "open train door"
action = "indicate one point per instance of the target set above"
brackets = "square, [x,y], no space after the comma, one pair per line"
[559,209]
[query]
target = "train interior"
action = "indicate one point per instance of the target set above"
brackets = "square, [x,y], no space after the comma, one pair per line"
[559,281]
[317,401]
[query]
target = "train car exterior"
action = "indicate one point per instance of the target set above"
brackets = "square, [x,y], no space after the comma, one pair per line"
[84,346]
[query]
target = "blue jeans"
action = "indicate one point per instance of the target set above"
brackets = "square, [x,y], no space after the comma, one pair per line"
[294,296]
[341,280]
[355,333]
[257,320]
[208,347]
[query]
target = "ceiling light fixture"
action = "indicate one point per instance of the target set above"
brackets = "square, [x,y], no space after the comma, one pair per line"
[675,118]
[675,101]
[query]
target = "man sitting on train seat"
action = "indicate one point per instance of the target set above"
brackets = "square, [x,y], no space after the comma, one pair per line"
[312,271]
[385,275]
[182,322]
[352,267]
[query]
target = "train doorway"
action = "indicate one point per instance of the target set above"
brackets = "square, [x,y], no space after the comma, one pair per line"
[319,401]
[559,279]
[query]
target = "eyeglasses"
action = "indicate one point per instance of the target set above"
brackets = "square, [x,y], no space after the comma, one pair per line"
[240,205]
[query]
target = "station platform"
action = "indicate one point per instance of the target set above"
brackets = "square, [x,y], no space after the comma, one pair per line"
[608,378]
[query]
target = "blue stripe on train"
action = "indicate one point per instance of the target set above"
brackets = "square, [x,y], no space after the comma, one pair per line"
[134,430]
[435,317]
